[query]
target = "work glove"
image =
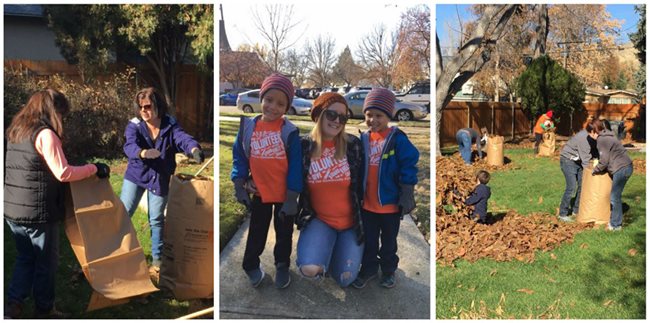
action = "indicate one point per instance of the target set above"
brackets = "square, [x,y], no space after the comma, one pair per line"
[250,186]
[406,200]
[149,153]
[198,155]
[103,170]
[240,193]
[290,206]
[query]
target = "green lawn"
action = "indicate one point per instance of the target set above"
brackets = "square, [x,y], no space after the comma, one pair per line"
[601,275]
[73,291]
[232,214]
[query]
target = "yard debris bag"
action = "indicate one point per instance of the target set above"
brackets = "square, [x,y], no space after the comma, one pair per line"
[105,243]
[595,198]
[510,236]
[187,268]
[495,151]
[547,147]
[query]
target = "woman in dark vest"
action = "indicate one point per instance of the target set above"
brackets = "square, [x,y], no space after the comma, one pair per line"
[35,169]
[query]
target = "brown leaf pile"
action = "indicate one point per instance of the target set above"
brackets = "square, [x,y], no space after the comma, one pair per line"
[513,237]
[639,166]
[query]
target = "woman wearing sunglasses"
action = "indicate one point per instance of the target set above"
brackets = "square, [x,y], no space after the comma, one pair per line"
[331,237]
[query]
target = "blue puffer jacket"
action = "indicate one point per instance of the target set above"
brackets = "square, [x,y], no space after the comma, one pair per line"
[398,165]
[155,174]
[241,151]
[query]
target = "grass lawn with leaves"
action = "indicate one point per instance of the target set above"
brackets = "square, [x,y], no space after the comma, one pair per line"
[600,275]
[73,291]
[232,214]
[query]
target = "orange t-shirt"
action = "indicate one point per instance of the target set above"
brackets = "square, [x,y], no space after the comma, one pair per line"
[268,161]
[329,187]
[540,121]
[371,198]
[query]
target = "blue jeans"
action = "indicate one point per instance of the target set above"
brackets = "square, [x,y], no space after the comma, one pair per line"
[464,141]
[321,245]
[36,263]
[573,177]
[130,196]
[384,227]
[618,183]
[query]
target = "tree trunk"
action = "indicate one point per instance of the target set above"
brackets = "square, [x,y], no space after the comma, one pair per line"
[542,31]
[471,57]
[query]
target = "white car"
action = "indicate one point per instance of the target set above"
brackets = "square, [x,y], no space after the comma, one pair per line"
[420,93]
[403,111]
[249,102]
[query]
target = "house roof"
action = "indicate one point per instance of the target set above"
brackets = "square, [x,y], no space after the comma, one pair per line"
[602,92]
[26,10]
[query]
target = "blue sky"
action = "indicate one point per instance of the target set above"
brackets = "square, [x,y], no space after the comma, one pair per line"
[447,14]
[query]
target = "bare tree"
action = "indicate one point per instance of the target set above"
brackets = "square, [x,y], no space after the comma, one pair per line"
[471,57]
[320,59]
[413,47]
[378,55]
[296,65]
[275,24]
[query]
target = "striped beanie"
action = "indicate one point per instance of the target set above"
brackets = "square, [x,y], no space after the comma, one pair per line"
[279,82]
[380,99]
[323,102]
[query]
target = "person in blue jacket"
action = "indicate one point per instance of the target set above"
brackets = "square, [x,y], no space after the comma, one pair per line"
[152,140]
[479,197]
[389,180]
[267,162]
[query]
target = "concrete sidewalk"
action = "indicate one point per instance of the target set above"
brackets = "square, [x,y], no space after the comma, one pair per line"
[305,299]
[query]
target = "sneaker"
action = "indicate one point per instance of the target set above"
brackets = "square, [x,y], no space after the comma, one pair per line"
[611,228]
[13,310]
[255,276]
[363,279]
[53,313]
[282,276]
[565,218]
[387,280]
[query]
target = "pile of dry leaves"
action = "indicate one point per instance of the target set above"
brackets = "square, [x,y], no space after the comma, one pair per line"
[512,236]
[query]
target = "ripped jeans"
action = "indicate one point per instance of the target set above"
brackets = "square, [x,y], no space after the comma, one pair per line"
[331,249]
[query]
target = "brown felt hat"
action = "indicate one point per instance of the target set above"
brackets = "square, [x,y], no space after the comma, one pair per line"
[323,101]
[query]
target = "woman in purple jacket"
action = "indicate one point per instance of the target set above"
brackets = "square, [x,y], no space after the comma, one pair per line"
[152,141]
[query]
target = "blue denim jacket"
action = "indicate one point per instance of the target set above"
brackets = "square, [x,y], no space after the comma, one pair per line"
[398,165]
[155,174]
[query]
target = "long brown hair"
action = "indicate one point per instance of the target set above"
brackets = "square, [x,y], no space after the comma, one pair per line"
[45,107]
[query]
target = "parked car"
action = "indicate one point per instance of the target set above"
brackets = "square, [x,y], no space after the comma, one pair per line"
[249,102]
[303,93]
[230,97]
[419,94]
[403,111]
[360,88]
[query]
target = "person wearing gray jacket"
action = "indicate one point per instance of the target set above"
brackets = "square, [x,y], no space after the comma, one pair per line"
[574,157]
[613,159]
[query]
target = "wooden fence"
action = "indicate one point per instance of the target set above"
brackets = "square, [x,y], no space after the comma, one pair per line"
[194,91]
[504,118]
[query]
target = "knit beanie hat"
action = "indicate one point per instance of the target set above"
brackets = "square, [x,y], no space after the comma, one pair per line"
[279,82]
[323,102]
[549,113]
[380,99]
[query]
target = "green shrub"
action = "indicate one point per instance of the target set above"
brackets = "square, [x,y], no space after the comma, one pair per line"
[99,110]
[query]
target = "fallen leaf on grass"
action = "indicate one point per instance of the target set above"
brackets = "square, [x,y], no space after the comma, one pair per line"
[471,289]
[584,246]
[526,290]
[553,256]
[540,200]
[552,280]
[493,272]
[608,303]
[632,252]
